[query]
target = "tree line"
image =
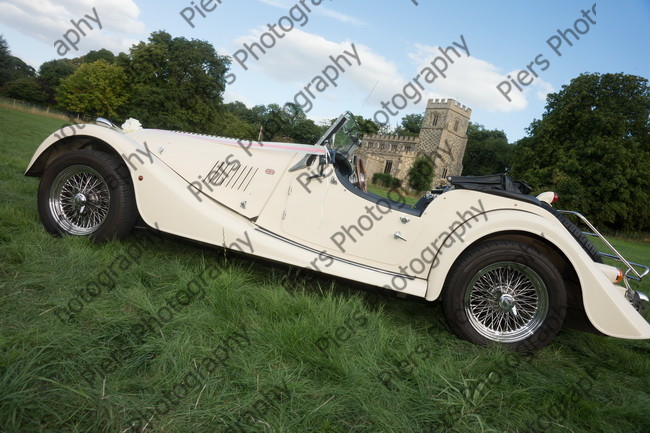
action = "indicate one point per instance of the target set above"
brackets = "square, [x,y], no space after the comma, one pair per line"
[592,144]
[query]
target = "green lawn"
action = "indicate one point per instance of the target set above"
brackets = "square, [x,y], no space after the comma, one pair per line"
[262,347]
[393,194]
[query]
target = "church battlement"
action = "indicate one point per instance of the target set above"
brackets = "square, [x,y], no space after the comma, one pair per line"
[449,103]
[389,137]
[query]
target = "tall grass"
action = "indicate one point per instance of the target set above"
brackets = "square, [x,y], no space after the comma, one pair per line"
[292,351]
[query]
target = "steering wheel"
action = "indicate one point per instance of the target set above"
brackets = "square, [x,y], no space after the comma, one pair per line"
[361,175]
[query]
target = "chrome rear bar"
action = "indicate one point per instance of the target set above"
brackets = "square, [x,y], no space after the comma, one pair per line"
[645,272]
[616,256]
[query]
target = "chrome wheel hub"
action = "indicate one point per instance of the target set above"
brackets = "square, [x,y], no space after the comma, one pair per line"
[79,203]
[79,200]
[506,302]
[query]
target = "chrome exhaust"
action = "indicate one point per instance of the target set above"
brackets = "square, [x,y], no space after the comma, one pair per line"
[640,302]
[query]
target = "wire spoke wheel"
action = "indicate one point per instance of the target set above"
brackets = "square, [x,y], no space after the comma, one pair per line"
[506,302]
[79,200]
[89,193]
[506,292]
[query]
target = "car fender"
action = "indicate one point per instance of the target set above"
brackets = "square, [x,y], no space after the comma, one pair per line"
[73,137]
[162,196]
[605,306]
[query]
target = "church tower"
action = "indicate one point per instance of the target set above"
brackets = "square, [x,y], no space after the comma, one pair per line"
[443,137]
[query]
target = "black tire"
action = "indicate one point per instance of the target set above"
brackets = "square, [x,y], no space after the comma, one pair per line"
[585,243]
[87,193]
[508,287]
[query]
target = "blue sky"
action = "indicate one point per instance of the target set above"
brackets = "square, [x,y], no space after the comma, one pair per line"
[393,41]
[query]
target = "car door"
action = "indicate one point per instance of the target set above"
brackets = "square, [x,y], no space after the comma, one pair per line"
[329,213]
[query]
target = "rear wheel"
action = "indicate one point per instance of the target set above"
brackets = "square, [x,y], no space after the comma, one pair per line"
[505,292]
[87,193]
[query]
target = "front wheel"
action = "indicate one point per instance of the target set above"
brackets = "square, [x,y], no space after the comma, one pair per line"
[87,193]
[505,292]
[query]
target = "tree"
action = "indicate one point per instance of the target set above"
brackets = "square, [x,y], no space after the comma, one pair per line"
[367,126]
[420,175]
[230,125]
[102,54]
[5,62]
[4,47]
[287,123]
[175,83]
[487,151]
[305,131]
[411,124]
[27,89]
[97,89]
[240,110]
[12,68]
[592,146]
[53,71]
[20,69]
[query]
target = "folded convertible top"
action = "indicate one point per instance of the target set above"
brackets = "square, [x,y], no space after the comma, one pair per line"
[490,183]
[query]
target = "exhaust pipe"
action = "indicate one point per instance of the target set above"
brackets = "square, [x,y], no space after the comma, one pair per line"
[640,302]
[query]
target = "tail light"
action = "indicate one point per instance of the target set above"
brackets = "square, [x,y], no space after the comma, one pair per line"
[613,274]
[549,197]
[619,277]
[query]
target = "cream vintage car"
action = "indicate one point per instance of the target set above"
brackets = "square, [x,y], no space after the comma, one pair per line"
[507,266]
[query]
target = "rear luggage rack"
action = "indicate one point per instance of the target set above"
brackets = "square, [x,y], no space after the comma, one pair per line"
[639,300]
[616,256]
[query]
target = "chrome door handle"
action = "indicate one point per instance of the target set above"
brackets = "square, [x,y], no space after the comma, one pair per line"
[398,235]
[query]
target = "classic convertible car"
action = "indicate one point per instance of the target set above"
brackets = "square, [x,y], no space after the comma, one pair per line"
[508,267]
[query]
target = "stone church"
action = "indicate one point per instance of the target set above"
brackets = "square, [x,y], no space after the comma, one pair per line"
[442,139]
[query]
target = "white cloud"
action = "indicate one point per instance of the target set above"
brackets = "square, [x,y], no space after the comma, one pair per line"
[543,90]
[49,20]
[230,96]
[300,56]
[473,82]
[277,3]
[347,19]
[322,10]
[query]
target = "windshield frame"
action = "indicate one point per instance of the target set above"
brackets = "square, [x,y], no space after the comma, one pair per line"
[329,138]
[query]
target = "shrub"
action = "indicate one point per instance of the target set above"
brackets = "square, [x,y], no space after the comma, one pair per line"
[421,174]
[386,180]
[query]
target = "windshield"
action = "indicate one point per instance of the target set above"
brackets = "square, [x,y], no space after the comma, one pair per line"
[346,139]
[343,136]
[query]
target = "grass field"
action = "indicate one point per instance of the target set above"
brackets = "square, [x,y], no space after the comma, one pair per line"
[394,195]
[255,346]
